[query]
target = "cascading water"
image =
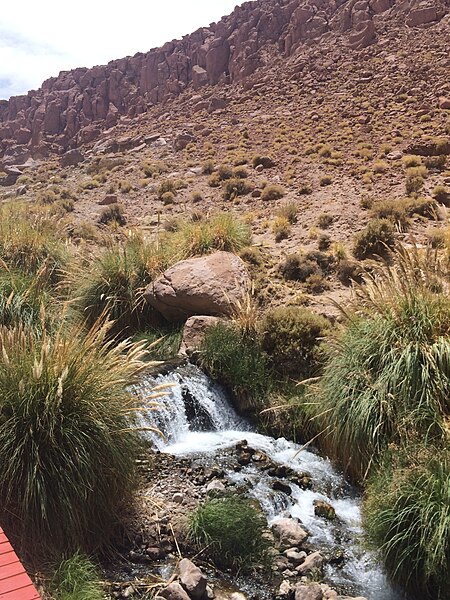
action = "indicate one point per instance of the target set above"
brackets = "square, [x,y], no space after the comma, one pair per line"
[198,421]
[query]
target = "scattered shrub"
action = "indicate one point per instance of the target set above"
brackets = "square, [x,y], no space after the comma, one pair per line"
[413,183]
[410,160]
[208,167]
[298,268]
[125,186]
[112,214]
[442,194]
[380,166]
[90,184]
[221,232]
[323,241]
[325,220]
[281,228]
[66,447]
[162,342]
[376,238]
[288,210]
[325,180]
[305,190]
[197,197]
[240,172]
[168,198]
[349,271]
[272,192]
[232,188]
[435,163]
[291,336]
[232,531]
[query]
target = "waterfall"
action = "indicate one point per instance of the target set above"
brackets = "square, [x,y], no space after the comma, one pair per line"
[197,420]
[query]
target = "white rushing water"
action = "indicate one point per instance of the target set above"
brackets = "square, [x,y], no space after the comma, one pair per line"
[198,421]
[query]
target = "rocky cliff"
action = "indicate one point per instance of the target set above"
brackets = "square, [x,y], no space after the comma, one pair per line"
[74,108]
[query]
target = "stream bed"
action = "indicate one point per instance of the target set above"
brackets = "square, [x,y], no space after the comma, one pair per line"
[199,423]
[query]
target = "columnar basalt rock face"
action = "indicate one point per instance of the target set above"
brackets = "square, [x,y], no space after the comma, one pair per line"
[75,107]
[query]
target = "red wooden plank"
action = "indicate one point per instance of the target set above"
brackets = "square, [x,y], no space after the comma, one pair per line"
[14,583]
[5,547]
[3,537]
[23,594]
[11,570]
[7,558]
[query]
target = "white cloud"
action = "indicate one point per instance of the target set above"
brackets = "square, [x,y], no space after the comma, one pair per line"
[43,38]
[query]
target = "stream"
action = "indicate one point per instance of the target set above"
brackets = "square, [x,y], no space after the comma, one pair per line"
[199,423]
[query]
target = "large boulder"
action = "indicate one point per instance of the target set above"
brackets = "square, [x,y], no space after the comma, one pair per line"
[192,579]
[289,533]
[209,285]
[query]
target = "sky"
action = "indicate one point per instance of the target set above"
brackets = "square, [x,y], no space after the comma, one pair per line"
[40,38]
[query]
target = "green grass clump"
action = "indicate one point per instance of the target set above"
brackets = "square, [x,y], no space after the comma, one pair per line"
[236,360]
[407,517]
[115,281]
[77,578]
[232,531]
[223,231]
[388,377]
[291,336]
[23,299]
[28,243]
[162,342]
[376,238]
[67,449]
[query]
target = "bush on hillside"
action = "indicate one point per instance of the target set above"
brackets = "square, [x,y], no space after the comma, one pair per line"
[28,243]
[67,453]
[375,239]
[232,531]
[292,336]
[223,231]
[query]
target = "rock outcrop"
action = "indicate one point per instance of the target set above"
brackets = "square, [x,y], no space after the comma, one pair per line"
[209,285]
[74,108]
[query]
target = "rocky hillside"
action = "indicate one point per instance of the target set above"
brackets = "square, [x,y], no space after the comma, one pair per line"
[301,40]
[311,121]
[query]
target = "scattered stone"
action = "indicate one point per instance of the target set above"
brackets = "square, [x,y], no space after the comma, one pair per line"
[178,498]
[312,591]
[286,590]
[444,103]
[324,509]
[194,332]
[108,199]
[313,562]
[289,533]
[182,140]
[72,158]
[174,591]
[294,557]
[280,486]
[215,486]
[192,579]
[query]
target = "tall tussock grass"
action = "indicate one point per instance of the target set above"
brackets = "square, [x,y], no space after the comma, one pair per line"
[407,516]
[114,283]
[223,231]
[67,449]
[388,377]
[28,242]
[24,299]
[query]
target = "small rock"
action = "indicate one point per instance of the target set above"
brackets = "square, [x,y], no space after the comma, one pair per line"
[71,158]
[312,591]
[285,590]
[280,486]
[294,557]
[311,563]
[238,596]
[324,510]
[444,103]
[192,579]
[215,486]
[289,533]
[174,591]
[178,498]
[108,199]
[128,592]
